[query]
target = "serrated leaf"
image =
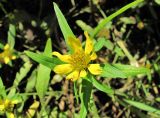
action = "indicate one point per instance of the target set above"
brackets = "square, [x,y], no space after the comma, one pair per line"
[50,62]
[93,109]
[22,73]
[142,106]
[31,81]
[19,76]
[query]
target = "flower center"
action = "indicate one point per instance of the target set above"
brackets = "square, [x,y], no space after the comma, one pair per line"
[80,60]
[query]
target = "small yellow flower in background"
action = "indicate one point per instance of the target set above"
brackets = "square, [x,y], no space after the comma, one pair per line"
[7,55]
[78,63]
[6,106]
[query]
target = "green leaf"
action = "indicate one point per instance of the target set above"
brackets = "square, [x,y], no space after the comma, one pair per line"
[108,44]
[11,35]
[142,106]
[2,88]
[99,44]
[42,81]
[19,76]
[31,81]
[131,70]
[103,42]
[128,20]
[112,72]
[22,73]
[1,46]
[109,18]
[157,1]
[50,62]
[85,96]
[65,28]
[76,91]
[92,108]
[122,71]
[102,87]
[118,51]
[84,26]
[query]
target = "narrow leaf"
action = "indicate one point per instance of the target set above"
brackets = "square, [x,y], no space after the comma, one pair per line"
[131,70]
[85,97]
[50,62]
[142,106]
[2,88]
[102,87]
[11,35]
[43,74]
[65,28]
[112,72]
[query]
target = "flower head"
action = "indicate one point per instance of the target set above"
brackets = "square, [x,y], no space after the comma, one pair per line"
[77,64]
[6,106]
[7,55]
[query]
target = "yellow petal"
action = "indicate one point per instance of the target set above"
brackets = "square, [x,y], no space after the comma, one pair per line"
[13,57]
[63,69]
[95,69]
[11,115]
[2,107]
[89,44]
[6,47]
[73,75]
[74,44]
[64,58]
[83,73]
[32,109]
[6,60]
[93,56]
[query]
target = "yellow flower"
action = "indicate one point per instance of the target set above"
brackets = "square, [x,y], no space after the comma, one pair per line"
[77,64]
[7,55]
[6,106]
